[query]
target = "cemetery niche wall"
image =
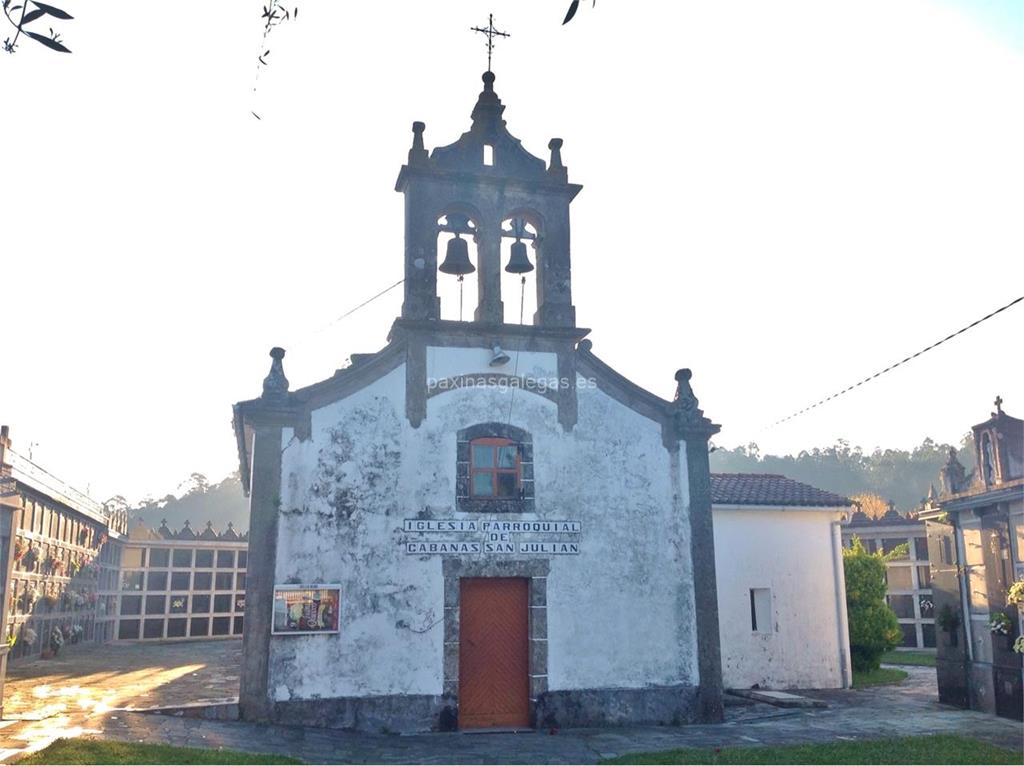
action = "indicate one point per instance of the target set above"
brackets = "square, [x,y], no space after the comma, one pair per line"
[59,550]
[177,584]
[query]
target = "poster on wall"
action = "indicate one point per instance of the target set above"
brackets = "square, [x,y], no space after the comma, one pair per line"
[304,609]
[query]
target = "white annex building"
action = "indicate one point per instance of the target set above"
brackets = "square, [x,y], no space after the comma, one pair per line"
[483,524]
[781,589]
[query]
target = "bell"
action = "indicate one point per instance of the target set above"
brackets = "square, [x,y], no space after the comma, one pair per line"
[519,262]
[499,357]
[456,259]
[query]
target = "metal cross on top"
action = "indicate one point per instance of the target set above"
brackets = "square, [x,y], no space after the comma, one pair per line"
[491,33]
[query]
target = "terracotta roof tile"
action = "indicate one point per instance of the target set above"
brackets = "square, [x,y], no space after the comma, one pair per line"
[769,489]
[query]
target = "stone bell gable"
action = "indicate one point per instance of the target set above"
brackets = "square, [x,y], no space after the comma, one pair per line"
[481,200]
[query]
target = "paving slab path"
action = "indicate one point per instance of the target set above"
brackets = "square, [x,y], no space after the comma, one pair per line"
[910,708]
[68,694]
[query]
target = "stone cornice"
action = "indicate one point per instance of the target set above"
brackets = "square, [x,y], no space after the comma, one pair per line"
[555,188]
[443,332]
[1000,493]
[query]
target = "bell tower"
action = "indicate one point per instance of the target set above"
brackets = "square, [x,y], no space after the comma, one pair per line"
[483,188]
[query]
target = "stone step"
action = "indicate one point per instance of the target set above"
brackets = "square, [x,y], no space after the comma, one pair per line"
[778,699]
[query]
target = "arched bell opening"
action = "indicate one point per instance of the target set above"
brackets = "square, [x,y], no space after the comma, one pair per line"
[519,250]
[457,266]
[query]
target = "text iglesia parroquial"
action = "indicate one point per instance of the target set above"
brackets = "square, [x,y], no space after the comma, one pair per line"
[491,536]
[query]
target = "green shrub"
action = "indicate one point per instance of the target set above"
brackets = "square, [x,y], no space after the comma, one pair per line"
[874,629]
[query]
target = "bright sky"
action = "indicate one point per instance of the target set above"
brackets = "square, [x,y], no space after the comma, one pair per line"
[785,197]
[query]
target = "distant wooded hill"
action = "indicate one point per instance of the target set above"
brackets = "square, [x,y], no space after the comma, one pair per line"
[901,476]
[898,475]
[199,502]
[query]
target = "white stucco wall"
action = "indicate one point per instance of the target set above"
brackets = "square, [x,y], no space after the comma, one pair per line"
[790,552]
[620,614]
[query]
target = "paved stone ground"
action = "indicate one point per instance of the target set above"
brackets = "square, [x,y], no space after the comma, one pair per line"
[65,696]
[95,677]
[907,709]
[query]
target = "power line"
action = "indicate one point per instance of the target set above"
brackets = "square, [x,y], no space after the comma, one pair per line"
[351,311]
[366,302]
[894,366]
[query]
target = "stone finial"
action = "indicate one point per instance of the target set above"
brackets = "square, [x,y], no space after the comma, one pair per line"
[999,406]
[953,475]
[275,385]
[688,416]
[555,166]
[418,153]
[685,398]
[487,113]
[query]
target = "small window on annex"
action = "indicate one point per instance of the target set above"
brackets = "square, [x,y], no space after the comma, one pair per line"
[761,610]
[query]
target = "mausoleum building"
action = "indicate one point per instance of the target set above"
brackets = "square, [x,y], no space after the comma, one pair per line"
[975,532]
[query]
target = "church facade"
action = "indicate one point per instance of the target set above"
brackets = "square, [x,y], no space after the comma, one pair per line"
[482,524]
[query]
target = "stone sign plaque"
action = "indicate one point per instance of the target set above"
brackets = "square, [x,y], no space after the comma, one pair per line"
[485,537]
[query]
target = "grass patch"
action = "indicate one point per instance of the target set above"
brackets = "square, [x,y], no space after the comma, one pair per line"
[923,659]
[940,748]
[89,751]
[879,677]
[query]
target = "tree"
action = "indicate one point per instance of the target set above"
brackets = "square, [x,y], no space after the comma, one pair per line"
[195,484]
[116,503]
[899,475]
[874,506]
[874,629]
[27,16]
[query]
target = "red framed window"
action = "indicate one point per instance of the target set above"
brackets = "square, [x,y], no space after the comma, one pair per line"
[495,469]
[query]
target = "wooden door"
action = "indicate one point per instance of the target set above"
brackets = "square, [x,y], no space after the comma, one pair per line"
[494,685]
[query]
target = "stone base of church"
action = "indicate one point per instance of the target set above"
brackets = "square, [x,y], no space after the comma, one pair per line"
[653,706]
[391,714]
